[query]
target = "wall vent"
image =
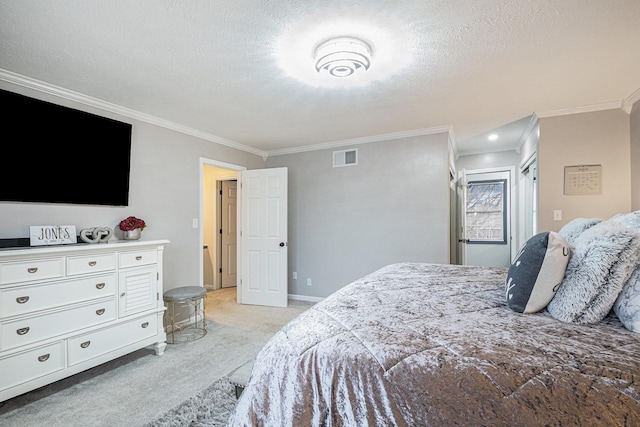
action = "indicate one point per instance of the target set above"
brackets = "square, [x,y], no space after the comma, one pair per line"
[345,158]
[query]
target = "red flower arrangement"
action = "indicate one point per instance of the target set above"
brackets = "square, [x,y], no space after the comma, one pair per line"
[131,223]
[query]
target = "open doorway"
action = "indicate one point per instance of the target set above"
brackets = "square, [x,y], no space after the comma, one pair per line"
[261,253]
[485,215]
[212,221]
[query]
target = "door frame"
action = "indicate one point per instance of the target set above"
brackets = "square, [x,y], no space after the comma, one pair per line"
[223,165]
[511,202]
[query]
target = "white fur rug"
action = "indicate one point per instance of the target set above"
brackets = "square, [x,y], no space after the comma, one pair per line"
[209,408]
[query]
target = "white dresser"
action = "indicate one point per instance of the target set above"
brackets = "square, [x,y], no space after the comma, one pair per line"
[64,309]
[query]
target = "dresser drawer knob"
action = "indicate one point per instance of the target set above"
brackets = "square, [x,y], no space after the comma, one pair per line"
[43,358]
[139,257]
[145,324]
[22,300]
[32,269]
[85,344]
[22,331]
[99,285]
[100,312]
[92,263]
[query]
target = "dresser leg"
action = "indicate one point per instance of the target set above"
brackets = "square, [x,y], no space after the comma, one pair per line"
[159,348]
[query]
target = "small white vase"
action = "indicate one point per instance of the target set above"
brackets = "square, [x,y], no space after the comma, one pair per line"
[134,234]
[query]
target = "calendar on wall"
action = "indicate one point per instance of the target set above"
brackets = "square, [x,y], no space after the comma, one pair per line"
[582,180]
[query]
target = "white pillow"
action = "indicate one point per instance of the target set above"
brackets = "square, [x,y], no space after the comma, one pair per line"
[533,278]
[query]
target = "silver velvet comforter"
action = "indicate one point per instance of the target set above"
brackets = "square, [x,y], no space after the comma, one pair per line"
[436,345]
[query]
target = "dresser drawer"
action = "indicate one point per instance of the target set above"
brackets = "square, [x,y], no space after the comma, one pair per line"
[31,329]
[100,342]
[30,298]
[88,264]
[26,271]
[29,365]
[133,258]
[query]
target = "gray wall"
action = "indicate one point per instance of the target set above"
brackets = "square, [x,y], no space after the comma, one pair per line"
[594,138]
[349,221]
[489,160]
[164,191]
[635,157]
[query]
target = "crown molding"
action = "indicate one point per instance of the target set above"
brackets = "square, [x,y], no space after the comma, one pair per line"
[612,105]
[364,140]
[627,103]
[60,92]
[527,131]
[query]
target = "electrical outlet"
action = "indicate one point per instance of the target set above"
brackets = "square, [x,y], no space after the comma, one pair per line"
[294,275]
[557,215]
[308,281]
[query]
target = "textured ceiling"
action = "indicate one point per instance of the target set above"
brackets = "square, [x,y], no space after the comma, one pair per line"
[217,67]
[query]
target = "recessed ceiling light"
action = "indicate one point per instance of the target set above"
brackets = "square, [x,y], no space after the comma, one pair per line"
[493,137]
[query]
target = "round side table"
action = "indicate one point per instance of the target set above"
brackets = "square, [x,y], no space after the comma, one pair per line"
[184,319]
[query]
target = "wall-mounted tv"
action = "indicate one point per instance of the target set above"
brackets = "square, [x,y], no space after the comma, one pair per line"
[55,154]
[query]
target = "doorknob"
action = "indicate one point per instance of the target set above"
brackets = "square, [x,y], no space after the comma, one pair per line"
[281,244]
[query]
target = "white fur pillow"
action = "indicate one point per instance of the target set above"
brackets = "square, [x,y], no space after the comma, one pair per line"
[574,228]
[627,306]
[603,258]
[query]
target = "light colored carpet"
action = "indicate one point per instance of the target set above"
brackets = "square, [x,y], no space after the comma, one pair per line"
[136,389]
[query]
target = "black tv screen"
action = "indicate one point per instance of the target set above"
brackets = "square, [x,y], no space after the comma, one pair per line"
[62,155]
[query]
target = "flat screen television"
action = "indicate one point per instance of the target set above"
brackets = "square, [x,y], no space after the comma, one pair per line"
[56,154]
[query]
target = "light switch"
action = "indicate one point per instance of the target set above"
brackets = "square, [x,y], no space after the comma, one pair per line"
[195,223]
[557,215]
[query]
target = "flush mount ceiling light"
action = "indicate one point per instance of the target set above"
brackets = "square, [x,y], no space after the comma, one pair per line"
[342,56]
[386,46]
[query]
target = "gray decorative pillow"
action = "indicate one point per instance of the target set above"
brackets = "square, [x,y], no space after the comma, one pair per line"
[603,258]
[574,228]
[536,273]
[627,306]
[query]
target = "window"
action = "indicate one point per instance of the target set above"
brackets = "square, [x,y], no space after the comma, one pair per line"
[485,213]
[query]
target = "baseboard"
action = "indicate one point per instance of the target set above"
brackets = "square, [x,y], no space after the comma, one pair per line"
[305,298]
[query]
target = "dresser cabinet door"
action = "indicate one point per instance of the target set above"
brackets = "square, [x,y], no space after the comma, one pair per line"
[138,290]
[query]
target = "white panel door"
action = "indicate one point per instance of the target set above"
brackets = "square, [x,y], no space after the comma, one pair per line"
[264,237]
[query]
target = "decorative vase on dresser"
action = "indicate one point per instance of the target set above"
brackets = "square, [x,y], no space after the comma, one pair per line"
[65,309]
[134,234]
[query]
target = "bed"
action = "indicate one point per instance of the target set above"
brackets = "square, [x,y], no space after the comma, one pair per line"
[416,344]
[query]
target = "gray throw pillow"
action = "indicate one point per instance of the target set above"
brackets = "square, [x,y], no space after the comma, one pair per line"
[533,278]
[603,258]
